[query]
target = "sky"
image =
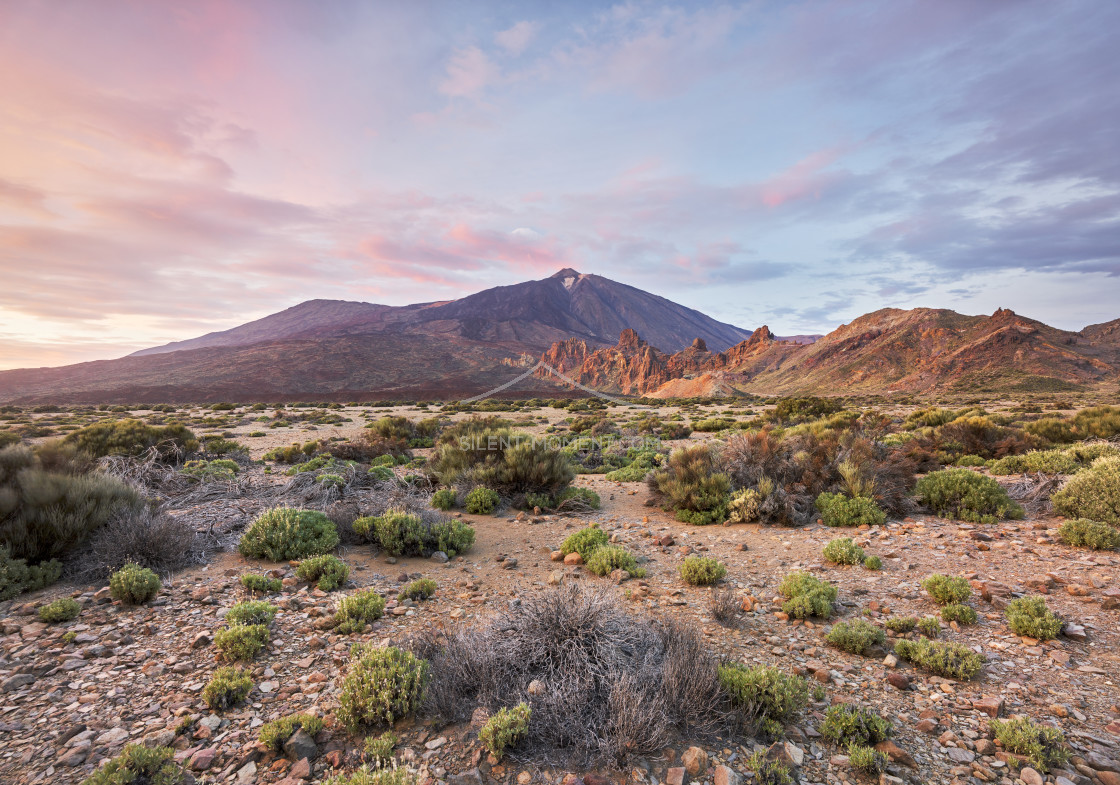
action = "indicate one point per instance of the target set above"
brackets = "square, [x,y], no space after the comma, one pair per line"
[168,169]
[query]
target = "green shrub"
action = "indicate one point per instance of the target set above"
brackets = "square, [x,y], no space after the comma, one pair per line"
[873,563]
[505,729]
[512,464]
[1089,534]
[220,470]
[701,570]
[284,533]
[379,749]
[133,584]
[384,473]
[326,571]
[452,537]
[367,776]
[856,637]
[965,495]
[138,765]
[847,723]
[8,438]
[959,612]
[293,453]
[585,542]
[901,624]
[806,596]
[241,642]
[950,660]
[929,626]
[1044,747]
[275,734]
[1029,616]
[17,577]
[252,612]
[966,461]
[844,551]
[401,534]
[134,438]
[839,510]
[383,685]
[767,694]
[1101,422]
[60,610]
[443,499]
[745,506]
[867,759]
[481,501]
[228,687]
[50,502]
[609,558]
[1093,493]
[261,583]
[356,611]
[418,590]
[769,772]
[947,589]
[804,408]
[692,487]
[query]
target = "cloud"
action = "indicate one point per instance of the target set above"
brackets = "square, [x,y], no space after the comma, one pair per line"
[469,72]
[515,40]
[24,198]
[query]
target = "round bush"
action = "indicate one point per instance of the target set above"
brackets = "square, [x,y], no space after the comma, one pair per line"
[1093,493]
[609,558]
[966,495]
[443,499]
[585,542]
[326,571]
[947,589]
[481,501]
[133,584]
[60,610]
[1029,616]
[856,637]
[702,570]
[960,613]
[844,551]
[1085,533]
[383,685]
[839,510]
[284,533]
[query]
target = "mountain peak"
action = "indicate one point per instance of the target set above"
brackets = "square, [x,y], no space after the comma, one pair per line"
[567,272]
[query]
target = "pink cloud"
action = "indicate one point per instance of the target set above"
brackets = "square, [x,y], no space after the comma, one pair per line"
[515,40]
[469,72]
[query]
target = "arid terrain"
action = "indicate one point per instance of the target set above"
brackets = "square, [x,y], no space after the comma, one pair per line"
[77,692]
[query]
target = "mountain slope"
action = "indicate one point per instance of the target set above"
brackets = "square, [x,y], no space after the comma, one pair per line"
[525,316]
[891,350]
[328,348]
[291,322]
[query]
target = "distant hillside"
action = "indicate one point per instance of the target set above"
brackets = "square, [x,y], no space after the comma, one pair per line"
[891,350]
[346,350]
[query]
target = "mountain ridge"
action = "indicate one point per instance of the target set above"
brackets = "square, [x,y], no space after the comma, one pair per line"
[346,350]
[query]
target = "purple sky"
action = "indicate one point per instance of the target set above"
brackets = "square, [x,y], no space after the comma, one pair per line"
[168,169]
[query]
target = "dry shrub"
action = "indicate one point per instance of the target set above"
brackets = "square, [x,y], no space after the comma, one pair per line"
[723,604]
[887,473]
[789,473]
[367,446]
[148,538]
[609,685]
